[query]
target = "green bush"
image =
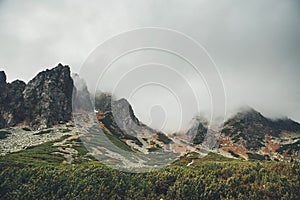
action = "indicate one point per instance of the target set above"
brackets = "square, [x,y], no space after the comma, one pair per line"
[37,174]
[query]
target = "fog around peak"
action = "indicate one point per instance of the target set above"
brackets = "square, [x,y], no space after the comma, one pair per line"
[255,45]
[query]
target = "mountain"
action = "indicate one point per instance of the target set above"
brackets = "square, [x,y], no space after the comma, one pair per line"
[249,132]
[117,118]
[46,100]
[56,163]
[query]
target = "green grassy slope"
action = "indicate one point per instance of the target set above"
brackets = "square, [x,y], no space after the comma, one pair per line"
[35,173]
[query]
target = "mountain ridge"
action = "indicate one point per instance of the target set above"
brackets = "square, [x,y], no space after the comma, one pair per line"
[46,100]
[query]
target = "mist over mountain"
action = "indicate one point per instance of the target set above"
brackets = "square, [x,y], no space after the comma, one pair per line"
[52,96]
[254,44]
[159,99]
[249,134]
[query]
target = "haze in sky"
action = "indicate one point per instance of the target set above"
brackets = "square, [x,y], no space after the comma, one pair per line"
[254,44]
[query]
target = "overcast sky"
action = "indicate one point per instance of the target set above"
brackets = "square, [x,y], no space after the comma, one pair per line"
[255,44]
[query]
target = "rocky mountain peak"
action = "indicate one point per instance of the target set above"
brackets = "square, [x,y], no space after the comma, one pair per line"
[46,100]
[124,109]
[250,129]
[48,97]
[249,114]
[121,109]
[58,76]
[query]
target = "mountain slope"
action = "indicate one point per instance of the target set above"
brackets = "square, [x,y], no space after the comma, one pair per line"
[250,132]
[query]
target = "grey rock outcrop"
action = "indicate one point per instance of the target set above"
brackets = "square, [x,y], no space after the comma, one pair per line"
[48,97]
[46,100]
[124,115]
[11,102]
[2,96]
[120,110]
[118,117]
[15,102]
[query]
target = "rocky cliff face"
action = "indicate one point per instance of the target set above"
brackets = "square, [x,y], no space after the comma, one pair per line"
[119,115]
[48,97]
[11,102]
[2,97]
[46,100]
[124,115]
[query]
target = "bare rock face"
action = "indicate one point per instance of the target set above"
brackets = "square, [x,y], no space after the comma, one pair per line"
[119,110]
[119,118]
[46,100]
[11,102]
[119,115]
[124,115]
[2,96]
[48,97]
[15,102]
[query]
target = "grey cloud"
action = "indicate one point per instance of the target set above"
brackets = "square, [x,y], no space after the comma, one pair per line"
[255,44]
